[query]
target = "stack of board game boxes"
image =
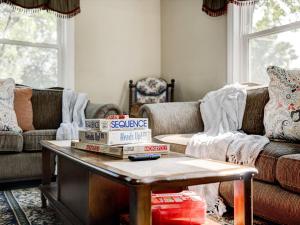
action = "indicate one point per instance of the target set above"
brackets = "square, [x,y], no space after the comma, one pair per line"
[118,136]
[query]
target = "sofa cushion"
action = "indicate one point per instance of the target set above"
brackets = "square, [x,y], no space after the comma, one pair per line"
[47,108]
[33,138]
[267,160]
[10,141]
[178,142]
[288,172]
[257,98]
[23,108]
[24,165]
[265,163]
[270,202]
[15,166]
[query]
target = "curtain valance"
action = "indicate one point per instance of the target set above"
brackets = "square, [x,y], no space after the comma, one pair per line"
[219,7]
[62,8]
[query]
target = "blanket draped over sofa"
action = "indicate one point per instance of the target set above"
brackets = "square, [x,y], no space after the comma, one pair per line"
[222,112]
[73,117]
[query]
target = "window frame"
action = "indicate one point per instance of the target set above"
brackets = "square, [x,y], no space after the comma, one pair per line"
[65,47]
[241,73]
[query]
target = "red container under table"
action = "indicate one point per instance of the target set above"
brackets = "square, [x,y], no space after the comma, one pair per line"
[184,208]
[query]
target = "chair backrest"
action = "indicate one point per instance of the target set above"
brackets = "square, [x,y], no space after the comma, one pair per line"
[151,90]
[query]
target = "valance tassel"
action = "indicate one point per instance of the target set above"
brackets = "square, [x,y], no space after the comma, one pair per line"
[212,9]
[39,8]
[216,13]
[243,3]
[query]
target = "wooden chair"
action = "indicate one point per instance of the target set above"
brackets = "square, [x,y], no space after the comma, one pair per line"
[149,90]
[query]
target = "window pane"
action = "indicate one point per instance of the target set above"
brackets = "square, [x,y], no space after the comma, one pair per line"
[272,13]
[36,67]
[281,49]
[36,28]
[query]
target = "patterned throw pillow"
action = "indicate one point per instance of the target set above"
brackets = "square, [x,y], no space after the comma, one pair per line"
[151,90]
[282,112]
[8,119]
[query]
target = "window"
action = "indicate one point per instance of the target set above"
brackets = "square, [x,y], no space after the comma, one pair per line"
[269,35]
[34,49]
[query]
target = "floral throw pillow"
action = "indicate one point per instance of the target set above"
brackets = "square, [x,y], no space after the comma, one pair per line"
[151,90]
[8,119]
[282,112]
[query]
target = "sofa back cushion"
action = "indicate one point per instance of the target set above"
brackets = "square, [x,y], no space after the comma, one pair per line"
[23,108]
[47,108]
[257,98]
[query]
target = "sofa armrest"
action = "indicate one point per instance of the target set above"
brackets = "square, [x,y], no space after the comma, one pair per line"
[101,110]
[173,118]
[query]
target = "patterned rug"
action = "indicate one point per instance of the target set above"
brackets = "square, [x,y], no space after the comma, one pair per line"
[23,207]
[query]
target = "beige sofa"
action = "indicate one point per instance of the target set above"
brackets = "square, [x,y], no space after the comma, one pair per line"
[20,153]
[276,187]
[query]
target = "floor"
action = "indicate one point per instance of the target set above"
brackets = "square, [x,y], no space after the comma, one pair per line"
[22,206]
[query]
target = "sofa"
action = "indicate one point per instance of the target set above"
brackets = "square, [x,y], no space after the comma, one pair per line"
[20,153]
[276,188]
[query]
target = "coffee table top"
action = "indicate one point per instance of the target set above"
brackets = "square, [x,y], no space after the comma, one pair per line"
[174,167]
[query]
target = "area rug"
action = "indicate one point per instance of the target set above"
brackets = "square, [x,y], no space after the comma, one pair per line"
[23,207]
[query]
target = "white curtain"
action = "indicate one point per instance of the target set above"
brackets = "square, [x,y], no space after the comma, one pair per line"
[239,23]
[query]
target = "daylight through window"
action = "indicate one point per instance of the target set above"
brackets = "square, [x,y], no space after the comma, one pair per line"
[274,39]
[30,48]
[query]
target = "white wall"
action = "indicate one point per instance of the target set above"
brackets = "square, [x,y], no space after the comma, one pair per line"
[193,48]
[116,40]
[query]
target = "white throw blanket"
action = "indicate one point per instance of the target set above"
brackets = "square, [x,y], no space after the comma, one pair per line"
[222,112]
[73,117]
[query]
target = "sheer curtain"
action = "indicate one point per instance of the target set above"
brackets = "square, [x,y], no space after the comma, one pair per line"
[239,23]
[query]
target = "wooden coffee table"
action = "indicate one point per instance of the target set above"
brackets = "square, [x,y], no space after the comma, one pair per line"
[95,189]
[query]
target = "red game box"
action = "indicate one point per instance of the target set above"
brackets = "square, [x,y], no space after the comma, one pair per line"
[184,208]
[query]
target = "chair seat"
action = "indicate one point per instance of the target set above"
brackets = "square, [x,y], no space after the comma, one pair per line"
[10,141]
[33,138]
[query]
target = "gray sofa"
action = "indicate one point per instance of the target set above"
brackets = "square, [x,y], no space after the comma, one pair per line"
[20,154]
[276,187]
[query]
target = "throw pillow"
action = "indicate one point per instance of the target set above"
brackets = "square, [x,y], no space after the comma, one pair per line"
[23,108]
[8,119]
[282,112]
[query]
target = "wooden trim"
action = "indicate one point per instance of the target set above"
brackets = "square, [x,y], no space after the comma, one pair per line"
[46,170]
[243,201]
[131,87]
[172,90]
[140,205]
[64,213]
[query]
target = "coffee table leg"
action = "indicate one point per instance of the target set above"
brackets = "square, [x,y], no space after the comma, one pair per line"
[243,202]
[140,205]
[46,169]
